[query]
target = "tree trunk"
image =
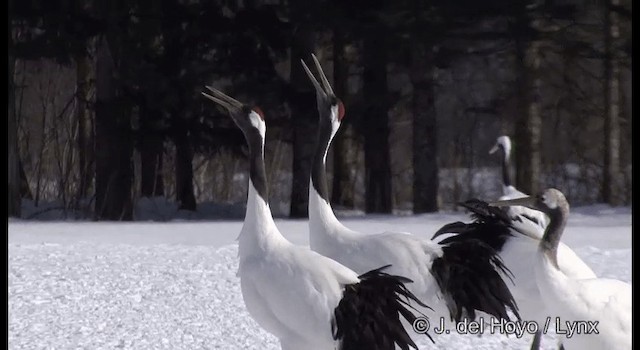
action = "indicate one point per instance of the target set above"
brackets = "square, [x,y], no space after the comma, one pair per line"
[113,150]
[425,151]
[376,132]
[184,168]
[611,188]
[151,181]
[84,123]
[151,148]
[344,145]
[528,126]
[25,190]
[304,113]
[13,161]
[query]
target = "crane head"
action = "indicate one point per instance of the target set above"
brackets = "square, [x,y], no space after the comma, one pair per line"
[504,143]
[546,201]
[248,119]
[330,107]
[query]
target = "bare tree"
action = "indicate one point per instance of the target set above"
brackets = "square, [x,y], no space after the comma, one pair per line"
[529,122]
[151,146]
[611,178]
[344,147]
[425,145]
[378,194]
[304,115]
[13,164]
[84,121]
[113,150]
[183,166]
[22,139]
[44,140]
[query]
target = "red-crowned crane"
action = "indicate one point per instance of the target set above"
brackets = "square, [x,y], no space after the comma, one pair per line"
[598,308]
[457,278]
[308,301]
[534,217]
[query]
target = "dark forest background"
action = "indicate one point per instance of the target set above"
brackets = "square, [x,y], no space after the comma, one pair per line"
[105,112]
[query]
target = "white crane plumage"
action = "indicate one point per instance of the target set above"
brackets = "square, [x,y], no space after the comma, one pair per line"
[516,240]
[535,217]
[602,305]
[306,300]
[534,223]
[464,273]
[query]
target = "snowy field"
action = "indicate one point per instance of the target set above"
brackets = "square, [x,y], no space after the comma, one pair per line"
[173,285]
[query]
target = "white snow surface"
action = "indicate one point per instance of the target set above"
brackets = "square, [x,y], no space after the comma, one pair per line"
[173,285]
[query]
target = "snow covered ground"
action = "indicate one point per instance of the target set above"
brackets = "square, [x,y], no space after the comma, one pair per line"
[173,285]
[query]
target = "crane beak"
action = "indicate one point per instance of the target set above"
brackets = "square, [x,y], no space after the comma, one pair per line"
[313,79]
[494,149]
[228,102]
[525,201]
[324,89]
[323,78]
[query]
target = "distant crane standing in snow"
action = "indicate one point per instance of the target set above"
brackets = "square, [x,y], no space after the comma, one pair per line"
[305,299]
[601,307]
[516,240]
[534,217]
[465,272]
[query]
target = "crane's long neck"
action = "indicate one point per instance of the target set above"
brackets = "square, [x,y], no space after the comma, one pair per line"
[259,228]
[322,220]
[318,168]
[257,173]
[551,238]
[506,178]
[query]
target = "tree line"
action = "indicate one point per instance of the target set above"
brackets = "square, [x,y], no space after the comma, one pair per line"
[105,105]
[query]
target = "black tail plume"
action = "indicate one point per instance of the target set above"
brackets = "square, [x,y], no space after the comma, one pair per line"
[469,273]
[481,211]
[490,225]
[369,314]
